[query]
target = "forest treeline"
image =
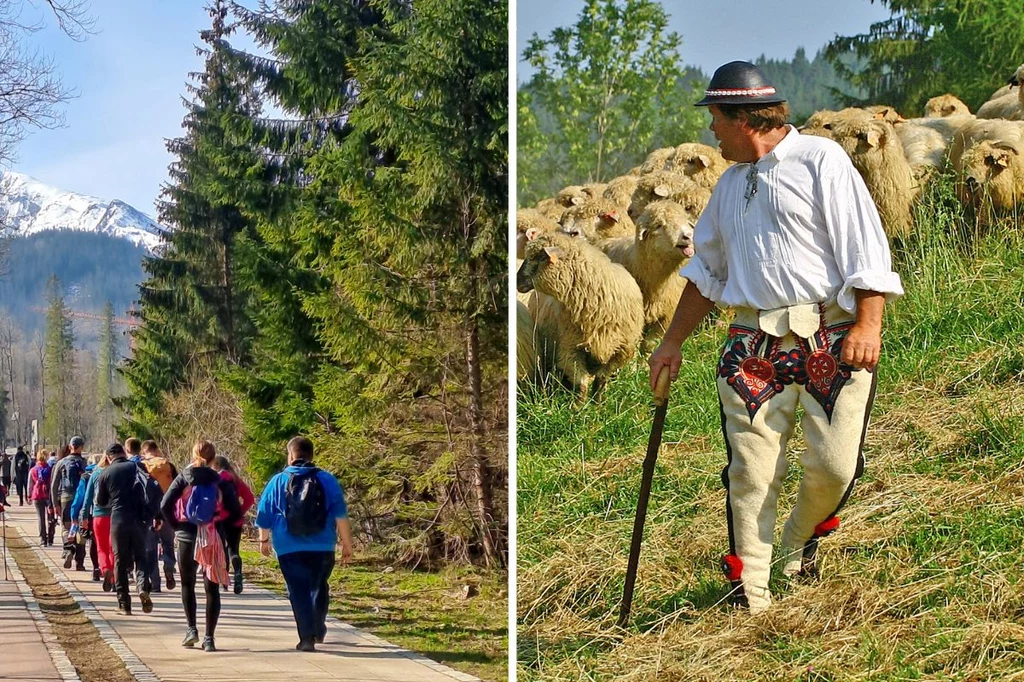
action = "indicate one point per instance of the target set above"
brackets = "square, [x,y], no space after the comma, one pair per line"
[335,264]
[94,269]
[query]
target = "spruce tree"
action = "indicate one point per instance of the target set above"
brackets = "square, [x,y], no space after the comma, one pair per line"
[58,367]
[194,311]
[106,364]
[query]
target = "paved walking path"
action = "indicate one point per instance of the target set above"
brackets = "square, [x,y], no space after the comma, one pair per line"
[255,636]
[24,655]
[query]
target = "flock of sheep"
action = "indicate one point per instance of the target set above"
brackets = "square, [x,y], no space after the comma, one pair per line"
[597,263]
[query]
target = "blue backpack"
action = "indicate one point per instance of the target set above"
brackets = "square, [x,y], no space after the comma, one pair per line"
[200,507]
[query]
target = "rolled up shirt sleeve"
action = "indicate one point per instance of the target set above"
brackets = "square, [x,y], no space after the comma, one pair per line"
[707,268]
[859,243]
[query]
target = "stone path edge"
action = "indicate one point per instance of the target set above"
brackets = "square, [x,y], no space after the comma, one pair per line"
[60,659]
[138,670]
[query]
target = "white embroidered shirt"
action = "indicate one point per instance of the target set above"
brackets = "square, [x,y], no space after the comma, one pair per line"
[809,232]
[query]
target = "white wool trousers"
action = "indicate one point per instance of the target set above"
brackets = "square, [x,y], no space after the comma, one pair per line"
[762,378]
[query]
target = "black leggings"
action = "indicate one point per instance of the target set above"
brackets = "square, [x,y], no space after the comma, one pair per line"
[187,569]
[232,541]
[40,506]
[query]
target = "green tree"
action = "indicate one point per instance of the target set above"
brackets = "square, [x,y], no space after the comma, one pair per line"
[192,306]
[606,91]
[58,367]
[106,365]
[930,47]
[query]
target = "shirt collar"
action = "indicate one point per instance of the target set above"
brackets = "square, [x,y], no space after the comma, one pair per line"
[784,146]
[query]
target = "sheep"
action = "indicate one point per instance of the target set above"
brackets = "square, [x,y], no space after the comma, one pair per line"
[988,157]
[591,313]
[620,190]
[1009,105]
[701,163]
[821,122]
[885,112]
[526,348]
[926,140]
[529,223]
[663,240]
[551,209]
[876,153]
[597,219]
[658,160]
[945,105]
[660,185]
[570,196]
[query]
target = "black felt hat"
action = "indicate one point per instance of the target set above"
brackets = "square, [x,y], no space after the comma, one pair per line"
[739,83]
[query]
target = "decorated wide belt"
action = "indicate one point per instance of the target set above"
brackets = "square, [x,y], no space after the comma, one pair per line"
[768,350]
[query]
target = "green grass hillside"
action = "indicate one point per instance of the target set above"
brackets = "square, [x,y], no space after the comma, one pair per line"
[924,581]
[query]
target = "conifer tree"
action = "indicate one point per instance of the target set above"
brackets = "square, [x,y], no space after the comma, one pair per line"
[193,308]
[106,364]
[58,367]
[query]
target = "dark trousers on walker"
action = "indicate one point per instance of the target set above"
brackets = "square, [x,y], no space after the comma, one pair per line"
[306,575]
[127,540]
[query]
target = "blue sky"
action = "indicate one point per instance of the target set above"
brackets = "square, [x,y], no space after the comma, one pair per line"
[718,31]
[130,77]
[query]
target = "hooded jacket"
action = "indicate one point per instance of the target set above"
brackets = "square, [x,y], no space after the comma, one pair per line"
[116,488]
[193,475]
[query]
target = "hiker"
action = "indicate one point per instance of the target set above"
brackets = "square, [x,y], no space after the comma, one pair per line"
[232,532]
[302,511]
[792,241]
[67,475]
[132,497]
[190,505]
[161,542]
[97,519]
[5,475]
[22,464]
[39,487]
[83,526]
[56,476]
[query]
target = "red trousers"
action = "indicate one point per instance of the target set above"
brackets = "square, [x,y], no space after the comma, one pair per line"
[101,531]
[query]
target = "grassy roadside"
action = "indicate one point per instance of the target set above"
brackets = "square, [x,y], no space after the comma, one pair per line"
[458,617]
[93,658]
[923,582]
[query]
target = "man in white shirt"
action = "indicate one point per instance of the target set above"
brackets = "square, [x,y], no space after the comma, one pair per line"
[792,241]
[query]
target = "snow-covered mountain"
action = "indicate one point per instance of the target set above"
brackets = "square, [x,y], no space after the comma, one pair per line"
[28,206]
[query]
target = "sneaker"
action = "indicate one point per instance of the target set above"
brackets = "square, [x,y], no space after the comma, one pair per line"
[208,644]
[169,578]
[124,610]
[108,581]
[305,645]
[147,602]
[191,637]
[80,568]
[96,577]
[238,581]
[68,560]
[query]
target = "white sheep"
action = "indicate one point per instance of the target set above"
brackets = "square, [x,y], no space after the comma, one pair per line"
[620,190]
[945,105]
[663,240]
[657,186]
[877,154]
[1005,103]
[926,141]
[526,347]
[530,222]
[658,160]
[700,162]
[551,209]
[988,157]
[597,219]
[591,317]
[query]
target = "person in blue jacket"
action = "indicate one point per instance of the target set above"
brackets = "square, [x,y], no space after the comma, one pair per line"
[305,550]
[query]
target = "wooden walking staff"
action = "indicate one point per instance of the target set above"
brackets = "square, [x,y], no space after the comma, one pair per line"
[661,391]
